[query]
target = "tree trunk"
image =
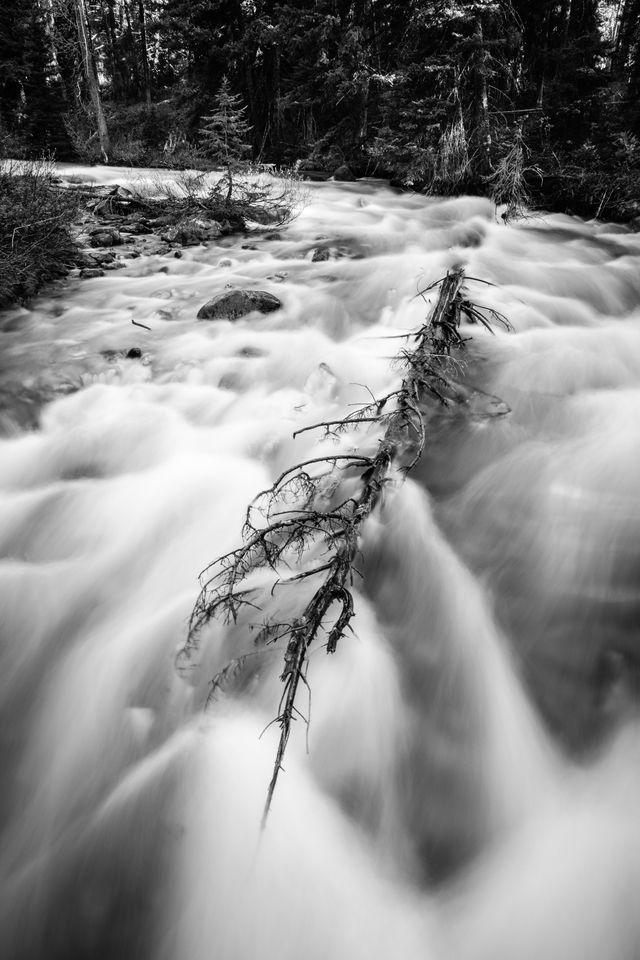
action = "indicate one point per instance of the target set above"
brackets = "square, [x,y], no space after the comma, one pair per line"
[91,74]
[626,27]
[109,21]
[146,73]
[482,133]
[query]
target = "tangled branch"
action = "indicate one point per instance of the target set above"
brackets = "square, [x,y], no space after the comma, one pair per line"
[305,516]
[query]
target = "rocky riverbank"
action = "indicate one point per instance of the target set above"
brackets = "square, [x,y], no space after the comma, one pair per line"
[116,226]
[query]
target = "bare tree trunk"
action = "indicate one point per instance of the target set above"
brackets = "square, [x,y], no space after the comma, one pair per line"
[481,97]
[363,119]
[134,73]
[110,34]
[544,47]
[91,73]
[629,12]
[146,73]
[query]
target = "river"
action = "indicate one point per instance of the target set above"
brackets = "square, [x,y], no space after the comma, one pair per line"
[469,783]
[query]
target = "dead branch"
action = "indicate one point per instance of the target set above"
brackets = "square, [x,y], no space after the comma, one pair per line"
[302,516]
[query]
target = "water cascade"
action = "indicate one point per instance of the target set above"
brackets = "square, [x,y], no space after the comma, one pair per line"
[468,785]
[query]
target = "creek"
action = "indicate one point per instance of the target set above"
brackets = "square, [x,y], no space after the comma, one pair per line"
[469,784]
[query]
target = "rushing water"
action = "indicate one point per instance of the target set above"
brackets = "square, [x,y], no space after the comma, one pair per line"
[471,783]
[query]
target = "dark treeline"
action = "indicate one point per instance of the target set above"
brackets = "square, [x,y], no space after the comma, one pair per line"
[514,97]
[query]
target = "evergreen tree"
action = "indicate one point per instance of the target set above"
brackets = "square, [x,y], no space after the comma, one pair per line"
[32,99]
[13,34]
[45,102]
[224,133]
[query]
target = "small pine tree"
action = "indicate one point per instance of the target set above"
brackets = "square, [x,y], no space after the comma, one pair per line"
[224,133]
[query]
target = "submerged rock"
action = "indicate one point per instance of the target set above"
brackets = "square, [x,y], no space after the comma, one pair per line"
[90,273]
[238,303]
[348,249]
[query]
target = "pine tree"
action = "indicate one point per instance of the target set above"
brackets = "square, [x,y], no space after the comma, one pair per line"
[13,34]
[224,133]
[45,106]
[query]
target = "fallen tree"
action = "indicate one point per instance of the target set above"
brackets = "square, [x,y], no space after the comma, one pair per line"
[311,518]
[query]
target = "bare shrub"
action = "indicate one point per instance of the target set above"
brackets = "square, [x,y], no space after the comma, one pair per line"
[35,240]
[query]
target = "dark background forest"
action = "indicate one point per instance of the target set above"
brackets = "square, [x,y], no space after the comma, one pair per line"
[503,97]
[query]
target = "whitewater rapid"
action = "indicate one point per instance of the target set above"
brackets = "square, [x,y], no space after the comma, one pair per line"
[469,783]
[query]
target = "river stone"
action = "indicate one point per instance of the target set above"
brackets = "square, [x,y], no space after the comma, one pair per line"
[343,173]
[194,230]
[105,237]
[237,303]
[90,273]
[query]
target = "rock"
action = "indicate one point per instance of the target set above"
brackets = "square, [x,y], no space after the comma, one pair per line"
[237,303]
[343,173]
[89,273]
[194,230]
[347,249]
[138,227]
[177,254]
[101,259]
[134,353]
[315,176]
[105,237]
[250,352]
[154,247]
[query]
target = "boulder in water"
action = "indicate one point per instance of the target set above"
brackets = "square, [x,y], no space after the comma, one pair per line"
[238,303]
[105,237]
[344,173]
[90,273]
[193,230]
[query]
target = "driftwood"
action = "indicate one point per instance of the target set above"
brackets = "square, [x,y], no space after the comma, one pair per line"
[305,515]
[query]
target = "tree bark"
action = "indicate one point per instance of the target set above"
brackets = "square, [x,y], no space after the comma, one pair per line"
[109,21]
[626,27]
[146,72]
[481,98]
[91,74]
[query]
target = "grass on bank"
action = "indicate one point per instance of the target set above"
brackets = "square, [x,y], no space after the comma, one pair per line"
[35,219]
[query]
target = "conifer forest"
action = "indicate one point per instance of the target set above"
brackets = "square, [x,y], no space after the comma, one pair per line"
[509,98]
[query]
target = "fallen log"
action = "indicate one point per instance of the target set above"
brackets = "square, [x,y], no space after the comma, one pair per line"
[305,514]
